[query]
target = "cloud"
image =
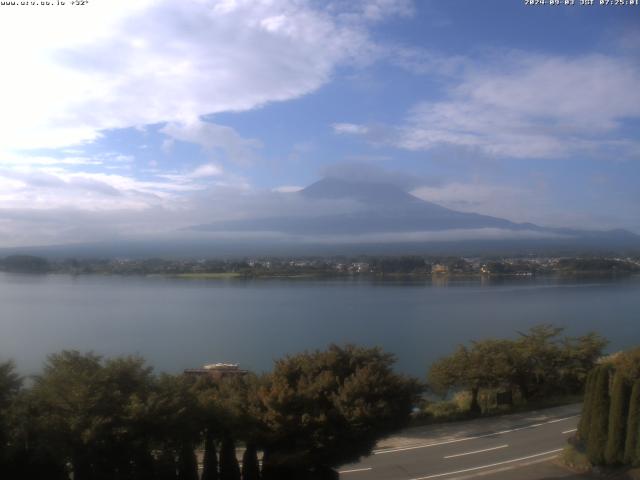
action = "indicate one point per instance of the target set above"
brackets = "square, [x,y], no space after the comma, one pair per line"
[350,128]
[211,137]
[371,10]
[70,73]
[504,201]
[526,106]
[422,61]
[288,189]
[207,170]
[366,172]
[200,177]
[36,161]
[431,236]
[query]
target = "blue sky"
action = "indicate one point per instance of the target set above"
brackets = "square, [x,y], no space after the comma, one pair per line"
[139,117]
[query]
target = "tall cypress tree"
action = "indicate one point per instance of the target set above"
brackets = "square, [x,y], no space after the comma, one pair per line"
[165,465]
[583,424]
[250,466]
[618,413]
[632,442]
[636,460]
[210,467]
[599,417]
[187,463]
[229,468]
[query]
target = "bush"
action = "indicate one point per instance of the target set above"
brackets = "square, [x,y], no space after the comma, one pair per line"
[443,410]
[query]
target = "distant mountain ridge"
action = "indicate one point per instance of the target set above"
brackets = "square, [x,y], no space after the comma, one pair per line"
[388,221]
[388,208]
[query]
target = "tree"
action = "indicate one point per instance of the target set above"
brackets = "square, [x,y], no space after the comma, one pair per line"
[231,407]
[628,363]
[176,420]
[580,354]
[537,363]
[25,264]
[584,422]
[10,385]
[539,360]
[166,468]
[70,391]
[229,468]
[618,414]
[250,465]
[187,463]
[326,408]
[632,441]
[598,423]
[486,364]
[210,461]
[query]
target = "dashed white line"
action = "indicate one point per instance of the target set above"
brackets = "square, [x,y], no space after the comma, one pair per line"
[464,439]
[356,470]
[570,431]
[437,475]
[477,451]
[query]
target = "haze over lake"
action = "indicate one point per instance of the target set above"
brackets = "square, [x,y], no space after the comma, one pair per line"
[177,323]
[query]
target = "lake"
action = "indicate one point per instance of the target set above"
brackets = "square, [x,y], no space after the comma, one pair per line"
[177,323]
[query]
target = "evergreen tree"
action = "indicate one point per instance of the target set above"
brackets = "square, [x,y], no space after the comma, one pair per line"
[229,468]
[599,417]
[187,463]
[165,465]
[143,467]
[636,459]
[632,442]
[250,465]
[210,467]
[583,424]
[618,414]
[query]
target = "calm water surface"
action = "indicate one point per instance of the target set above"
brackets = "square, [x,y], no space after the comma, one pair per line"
[177,323]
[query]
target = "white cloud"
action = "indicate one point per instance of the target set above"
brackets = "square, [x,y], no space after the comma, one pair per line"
[350,128]
[33,161]
[207,170]
[533,107]
[510,202]
[432,236]
[288,189]
[211,137]
[69,73]
[532,201]
[527,106]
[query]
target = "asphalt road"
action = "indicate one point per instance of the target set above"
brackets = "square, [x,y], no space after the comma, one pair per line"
[494,448]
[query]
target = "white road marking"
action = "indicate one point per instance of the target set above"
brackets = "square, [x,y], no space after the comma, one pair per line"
[570,431]
[477,451]
[464,439]
[356,470]
[437,475]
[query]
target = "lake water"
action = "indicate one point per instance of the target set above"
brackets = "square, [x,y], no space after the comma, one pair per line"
[178,323]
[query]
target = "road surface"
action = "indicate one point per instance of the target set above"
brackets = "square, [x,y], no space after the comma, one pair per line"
[468,449]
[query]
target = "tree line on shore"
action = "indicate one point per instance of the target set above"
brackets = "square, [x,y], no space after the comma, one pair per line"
[398,265]
[116,419]
[609,428]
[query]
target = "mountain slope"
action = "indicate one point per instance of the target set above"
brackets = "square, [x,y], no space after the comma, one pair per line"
[381,208]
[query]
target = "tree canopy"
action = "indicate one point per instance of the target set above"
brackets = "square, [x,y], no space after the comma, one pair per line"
[97,418]
[537,362]
[325,408]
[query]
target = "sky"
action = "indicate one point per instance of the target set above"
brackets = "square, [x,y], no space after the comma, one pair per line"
[121,118]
